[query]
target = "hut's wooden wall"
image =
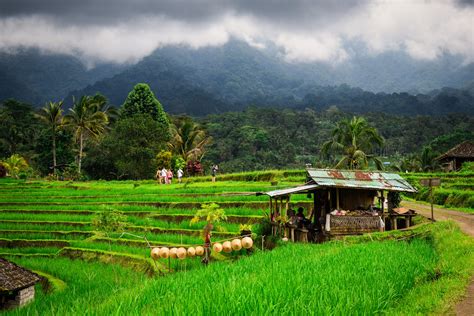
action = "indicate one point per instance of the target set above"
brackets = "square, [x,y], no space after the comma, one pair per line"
[352,199]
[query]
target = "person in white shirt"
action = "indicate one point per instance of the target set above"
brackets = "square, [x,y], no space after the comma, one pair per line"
[164,175]
[180,175]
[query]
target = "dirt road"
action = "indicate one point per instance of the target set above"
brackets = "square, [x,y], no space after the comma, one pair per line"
[466,222]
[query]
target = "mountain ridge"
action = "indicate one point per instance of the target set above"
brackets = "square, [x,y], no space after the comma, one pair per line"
[235,75]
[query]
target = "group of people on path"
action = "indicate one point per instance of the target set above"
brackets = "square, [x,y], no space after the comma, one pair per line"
[165,176]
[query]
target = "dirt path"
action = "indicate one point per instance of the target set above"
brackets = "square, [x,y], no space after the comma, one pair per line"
[466,222]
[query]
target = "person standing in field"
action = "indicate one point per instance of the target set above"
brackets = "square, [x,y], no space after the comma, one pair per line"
[169,176]
[158,175]
[180,175]
[214,170]
[164,174]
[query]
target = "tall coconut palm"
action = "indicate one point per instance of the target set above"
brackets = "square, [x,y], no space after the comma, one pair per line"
[87,121]
[51,114]
[188,139]
[354,139]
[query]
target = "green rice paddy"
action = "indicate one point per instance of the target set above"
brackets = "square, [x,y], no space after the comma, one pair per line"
[41,219]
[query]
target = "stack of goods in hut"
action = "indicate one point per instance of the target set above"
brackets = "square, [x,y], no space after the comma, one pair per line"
[182,253]
[354,213]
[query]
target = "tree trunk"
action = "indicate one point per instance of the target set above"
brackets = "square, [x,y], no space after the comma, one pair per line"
[81,144]
[54,152]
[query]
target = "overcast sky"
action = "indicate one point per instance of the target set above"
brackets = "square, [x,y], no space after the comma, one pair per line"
[305,31]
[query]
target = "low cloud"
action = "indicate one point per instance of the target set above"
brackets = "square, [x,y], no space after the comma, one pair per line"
[305,31]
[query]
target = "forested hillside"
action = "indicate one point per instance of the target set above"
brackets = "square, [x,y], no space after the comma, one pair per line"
[235,75]
[272,138]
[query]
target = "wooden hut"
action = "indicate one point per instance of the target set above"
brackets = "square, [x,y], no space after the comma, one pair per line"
[17,285]
[453,159]
[343,202]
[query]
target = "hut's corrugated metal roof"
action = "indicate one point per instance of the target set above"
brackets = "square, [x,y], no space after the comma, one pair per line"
[284,192]
[13,277]
[358,179]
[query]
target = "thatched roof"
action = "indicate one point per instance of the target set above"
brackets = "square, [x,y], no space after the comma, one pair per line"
[463,150]
[13,277]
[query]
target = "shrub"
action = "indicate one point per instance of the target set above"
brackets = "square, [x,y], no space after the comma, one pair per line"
[3,170]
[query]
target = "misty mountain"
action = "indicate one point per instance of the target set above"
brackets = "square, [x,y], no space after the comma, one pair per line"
[235,75]
[31,76]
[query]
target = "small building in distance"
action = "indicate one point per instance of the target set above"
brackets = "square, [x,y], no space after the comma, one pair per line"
[17,285]
[453,159]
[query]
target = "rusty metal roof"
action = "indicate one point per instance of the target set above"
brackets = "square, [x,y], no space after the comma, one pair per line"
[284,192]
[358,179]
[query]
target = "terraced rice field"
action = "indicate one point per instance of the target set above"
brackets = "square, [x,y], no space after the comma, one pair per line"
[51,218]
[456,190]
[47,227]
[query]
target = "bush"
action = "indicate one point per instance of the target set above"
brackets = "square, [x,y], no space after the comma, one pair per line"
[3,170]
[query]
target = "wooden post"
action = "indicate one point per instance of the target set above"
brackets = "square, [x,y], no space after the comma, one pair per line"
[329,199]
[271,209]
[337,198]
[382,207]
[431,200]
[287,203]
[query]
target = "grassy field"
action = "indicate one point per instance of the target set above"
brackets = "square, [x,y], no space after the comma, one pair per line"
[47,227]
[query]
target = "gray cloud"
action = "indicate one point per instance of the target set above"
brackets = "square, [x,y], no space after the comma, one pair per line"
[305,30]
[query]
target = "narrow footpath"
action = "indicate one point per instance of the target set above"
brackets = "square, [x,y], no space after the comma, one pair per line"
[466,223]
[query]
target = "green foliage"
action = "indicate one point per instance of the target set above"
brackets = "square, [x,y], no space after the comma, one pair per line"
[15,165]
[211,213]
[43,159]
[18,128]
[354,139]
[3,170]
[141,100]
[109,221]
[51,115]
[394,198]
[163,159]
[87,120]
[467,167]
[188,140]
[128,151]
[178,163]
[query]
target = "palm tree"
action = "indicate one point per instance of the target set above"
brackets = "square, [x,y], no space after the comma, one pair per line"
[15,164]
[428,160]
[188,139]
[354,138]
[51,114]
[87,120]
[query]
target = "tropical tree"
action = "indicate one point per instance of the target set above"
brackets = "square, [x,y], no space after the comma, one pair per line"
[428,160]
[88,121]
[18,128]
[51,114]
[188,139]
[354,139]
[212,214]
[141,100]
[15,164]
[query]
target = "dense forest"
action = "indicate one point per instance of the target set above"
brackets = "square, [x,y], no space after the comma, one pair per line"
[96,140]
